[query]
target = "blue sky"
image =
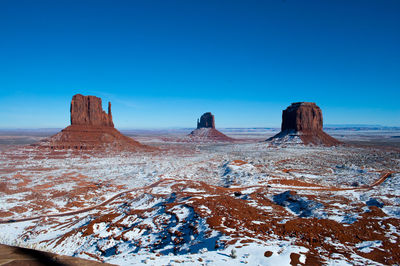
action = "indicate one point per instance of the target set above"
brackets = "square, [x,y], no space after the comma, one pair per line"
[164,63]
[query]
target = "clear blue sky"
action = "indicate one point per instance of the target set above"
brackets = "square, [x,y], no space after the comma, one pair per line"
[164,63]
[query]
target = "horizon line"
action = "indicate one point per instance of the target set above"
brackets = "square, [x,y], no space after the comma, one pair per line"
[188,128]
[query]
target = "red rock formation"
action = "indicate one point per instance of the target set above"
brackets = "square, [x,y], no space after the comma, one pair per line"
[206,121]
[206,131]
[304,119]
[87,110]
[302,116]
[91,128]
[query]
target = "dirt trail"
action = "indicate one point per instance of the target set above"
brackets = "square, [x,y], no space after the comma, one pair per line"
[383,177]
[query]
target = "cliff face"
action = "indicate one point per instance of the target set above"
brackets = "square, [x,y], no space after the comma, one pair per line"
[206,121]
[88,110]
[302,116]
[303,120]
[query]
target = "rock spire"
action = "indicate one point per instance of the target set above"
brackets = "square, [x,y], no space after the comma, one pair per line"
[87,110]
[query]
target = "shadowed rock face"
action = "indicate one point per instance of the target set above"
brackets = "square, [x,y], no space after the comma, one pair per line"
[206,121]
[302,116]
[303,120]
[88,110]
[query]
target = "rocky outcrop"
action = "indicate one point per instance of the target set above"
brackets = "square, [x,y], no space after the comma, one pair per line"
[91,128]
[206,121]
[88,110]
[302,123]
[302,116]
[206,131]
[14,255]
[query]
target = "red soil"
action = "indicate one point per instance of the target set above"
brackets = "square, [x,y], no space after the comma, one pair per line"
[80,137]
[292,182]
[238,162]
[209,134]
[318,138]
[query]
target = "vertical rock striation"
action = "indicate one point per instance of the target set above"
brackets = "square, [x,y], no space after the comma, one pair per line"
[87,110]
[302,116]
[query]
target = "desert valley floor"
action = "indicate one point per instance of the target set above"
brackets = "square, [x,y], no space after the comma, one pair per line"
[188,203]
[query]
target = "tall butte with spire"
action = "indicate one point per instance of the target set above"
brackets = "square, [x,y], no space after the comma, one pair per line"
[206,132]
[90,128]
[87,110]
[302,122]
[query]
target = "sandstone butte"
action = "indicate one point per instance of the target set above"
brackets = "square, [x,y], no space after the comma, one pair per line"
[91,128]
[207,120]
[304,119]
[206,131]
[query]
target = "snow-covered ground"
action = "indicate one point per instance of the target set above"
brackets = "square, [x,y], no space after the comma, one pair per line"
[214,204]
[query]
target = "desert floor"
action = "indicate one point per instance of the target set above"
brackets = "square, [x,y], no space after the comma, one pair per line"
[206,203]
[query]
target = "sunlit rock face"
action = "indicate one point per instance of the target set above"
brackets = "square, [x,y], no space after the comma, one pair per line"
[87,110]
